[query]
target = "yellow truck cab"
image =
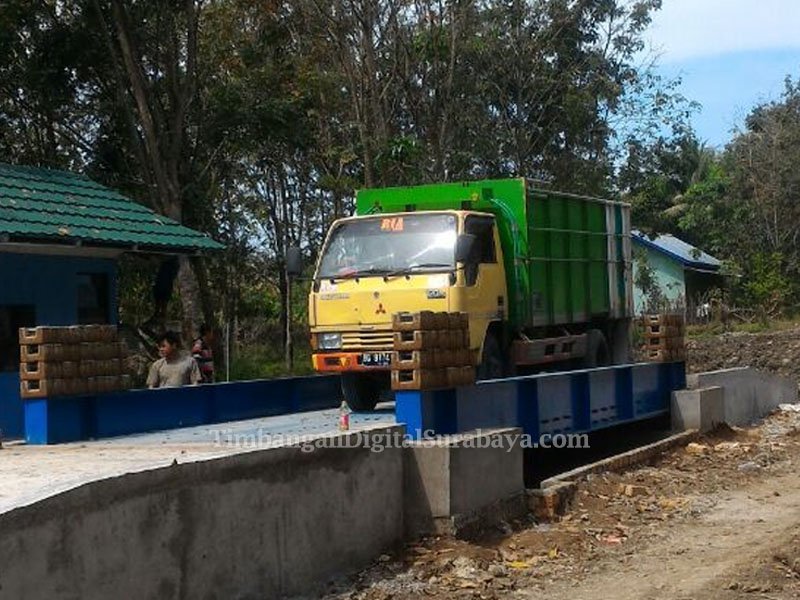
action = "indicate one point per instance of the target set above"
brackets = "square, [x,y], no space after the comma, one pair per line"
[470,248]
[374,266]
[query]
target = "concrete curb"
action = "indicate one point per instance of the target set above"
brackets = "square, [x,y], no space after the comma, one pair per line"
[625,460]
[548,504]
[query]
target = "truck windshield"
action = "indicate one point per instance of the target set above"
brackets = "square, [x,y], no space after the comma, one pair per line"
[384,245]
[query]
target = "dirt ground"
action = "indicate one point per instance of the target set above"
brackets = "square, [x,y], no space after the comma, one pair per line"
[774,352]
[718,519]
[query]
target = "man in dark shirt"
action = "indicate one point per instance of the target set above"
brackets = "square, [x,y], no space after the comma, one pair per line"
[203,354]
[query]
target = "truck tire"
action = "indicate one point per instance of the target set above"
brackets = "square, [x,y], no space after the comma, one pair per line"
[492,365]
[620,341]
[596,350]
[360,391]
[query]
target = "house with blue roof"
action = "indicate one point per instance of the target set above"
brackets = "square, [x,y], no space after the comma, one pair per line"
[683,273]
[61,235]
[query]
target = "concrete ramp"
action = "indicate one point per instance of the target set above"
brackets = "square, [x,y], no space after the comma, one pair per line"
[749,394]
[260,524]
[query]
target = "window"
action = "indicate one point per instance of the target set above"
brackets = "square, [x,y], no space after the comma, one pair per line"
[92,298]
[483,229]
[12,317]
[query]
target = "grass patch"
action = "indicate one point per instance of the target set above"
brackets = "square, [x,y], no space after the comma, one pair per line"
[712,329]
[262,362]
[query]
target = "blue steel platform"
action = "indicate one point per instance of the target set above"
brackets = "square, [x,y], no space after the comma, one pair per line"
[70,419]
[550,403]
[566,402]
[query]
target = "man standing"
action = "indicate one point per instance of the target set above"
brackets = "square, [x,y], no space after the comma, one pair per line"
[203,354]
[174,368]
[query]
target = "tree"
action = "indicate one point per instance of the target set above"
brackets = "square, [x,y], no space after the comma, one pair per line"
[256,121]
[154,52]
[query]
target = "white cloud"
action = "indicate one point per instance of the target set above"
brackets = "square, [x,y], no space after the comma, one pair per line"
[685,29]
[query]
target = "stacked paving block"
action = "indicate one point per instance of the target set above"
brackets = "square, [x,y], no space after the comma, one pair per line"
[664,337]
[70,361]
[431,350]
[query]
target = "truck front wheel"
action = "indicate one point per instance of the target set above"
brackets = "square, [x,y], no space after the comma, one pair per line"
[361,391]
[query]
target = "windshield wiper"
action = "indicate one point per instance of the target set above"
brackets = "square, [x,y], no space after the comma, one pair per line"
[412,268]
[377,271]
[360,273]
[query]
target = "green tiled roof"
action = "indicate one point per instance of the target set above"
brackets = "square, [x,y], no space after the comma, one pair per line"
[46,206]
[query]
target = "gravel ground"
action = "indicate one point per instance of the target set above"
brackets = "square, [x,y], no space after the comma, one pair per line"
[718,519]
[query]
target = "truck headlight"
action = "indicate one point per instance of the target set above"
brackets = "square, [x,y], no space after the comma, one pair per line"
[329,341]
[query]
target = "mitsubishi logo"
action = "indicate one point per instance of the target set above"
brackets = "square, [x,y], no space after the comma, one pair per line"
[380,310]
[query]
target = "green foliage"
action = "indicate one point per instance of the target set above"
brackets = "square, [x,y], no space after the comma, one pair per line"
[740,205]
[708,218]
[657,178]
[256,121]
[647,283]
[766,286]
[263,362]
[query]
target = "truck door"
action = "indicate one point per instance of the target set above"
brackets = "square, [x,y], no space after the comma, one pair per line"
[485,282]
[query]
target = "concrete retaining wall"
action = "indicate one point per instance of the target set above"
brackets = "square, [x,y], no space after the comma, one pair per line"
[256,525]
[749,394]
[457,476]
[700,408]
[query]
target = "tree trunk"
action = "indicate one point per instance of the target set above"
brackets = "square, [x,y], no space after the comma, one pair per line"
[163,143]
[200,268]
[189,288]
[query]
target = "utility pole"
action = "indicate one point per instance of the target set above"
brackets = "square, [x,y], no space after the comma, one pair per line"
[289,349]
[293,267]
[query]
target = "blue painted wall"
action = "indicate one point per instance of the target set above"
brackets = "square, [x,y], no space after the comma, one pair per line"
[50,283]
[11,413]
[669,275]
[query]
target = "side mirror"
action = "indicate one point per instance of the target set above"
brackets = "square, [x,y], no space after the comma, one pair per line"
[294,261]
[466,248]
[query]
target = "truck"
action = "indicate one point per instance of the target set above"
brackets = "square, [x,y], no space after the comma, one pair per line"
[544,277]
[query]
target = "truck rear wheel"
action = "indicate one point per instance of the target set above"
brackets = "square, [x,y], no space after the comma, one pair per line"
[361,391]
[492,365]
[597,350]
[619,338]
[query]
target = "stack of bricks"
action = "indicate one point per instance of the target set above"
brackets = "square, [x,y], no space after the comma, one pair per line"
[70,361]
[664,338]
[431,350]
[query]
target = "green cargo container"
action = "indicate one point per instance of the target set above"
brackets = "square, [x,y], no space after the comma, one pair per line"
[568,257]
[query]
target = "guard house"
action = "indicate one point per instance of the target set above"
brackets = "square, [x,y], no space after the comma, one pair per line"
[682,272]
[61,235]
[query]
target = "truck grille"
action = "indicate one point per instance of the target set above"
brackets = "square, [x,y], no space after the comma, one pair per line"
[367,340]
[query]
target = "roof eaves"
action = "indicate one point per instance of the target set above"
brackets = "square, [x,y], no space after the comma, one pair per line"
[644,240]
[141,247]
[705,270]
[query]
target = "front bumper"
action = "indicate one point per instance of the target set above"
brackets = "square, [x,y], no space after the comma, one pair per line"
[344,361]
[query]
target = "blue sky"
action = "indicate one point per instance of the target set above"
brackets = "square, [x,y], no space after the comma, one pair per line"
[730,54]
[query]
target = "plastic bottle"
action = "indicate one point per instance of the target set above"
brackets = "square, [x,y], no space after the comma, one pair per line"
[344,417]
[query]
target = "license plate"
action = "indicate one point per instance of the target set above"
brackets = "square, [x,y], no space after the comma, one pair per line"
[376,359]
